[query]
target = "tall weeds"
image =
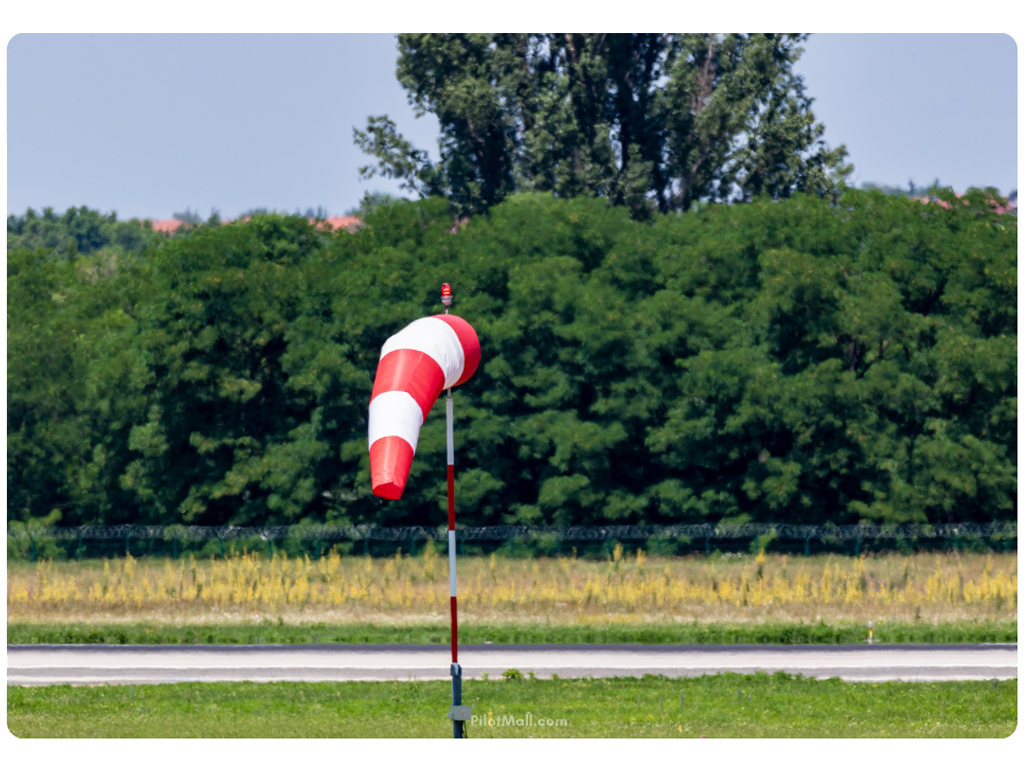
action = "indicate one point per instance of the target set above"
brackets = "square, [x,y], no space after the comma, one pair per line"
[921,587]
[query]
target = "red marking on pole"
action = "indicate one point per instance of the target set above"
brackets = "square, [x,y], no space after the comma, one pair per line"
[455,633]
[451,497]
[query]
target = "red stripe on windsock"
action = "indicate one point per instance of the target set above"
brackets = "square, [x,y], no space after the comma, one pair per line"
[408,370]
[470,345]
[390,460]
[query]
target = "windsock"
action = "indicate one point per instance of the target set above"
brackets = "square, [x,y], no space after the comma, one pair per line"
[427,356]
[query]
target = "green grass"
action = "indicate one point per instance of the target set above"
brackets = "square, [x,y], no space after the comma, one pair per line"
[726,705]
[268,632]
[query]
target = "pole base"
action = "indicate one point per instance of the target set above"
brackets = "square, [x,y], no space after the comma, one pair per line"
[458,714]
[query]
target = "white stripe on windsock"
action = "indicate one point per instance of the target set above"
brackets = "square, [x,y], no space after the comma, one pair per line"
[435,338]
[395,413]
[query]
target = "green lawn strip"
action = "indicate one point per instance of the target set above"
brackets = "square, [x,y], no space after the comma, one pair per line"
[725,705]
[272,633]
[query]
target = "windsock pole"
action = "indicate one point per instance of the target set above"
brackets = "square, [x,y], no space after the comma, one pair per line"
[456,668]
[446,299]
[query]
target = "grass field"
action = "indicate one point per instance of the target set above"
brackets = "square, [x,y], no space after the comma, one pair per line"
[936,589]
[725,705]
[268,632]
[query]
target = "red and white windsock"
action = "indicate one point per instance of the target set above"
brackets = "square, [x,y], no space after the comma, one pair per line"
[427,356]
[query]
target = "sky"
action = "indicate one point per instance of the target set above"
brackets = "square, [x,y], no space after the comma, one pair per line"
[149,125]
[918,107]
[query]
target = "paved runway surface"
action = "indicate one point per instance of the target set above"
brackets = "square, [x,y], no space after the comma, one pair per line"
[139,664]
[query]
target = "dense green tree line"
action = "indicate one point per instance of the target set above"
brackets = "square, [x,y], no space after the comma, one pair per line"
[797,360]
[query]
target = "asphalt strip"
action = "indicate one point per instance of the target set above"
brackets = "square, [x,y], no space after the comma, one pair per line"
[146,664]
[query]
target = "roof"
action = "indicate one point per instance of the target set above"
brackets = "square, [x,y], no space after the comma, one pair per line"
[348,223]
[1010,207]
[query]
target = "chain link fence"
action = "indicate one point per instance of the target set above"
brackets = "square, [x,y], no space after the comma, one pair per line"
[25,542]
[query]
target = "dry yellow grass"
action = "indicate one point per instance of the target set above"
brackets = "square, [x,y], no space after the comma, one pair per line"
[400,589]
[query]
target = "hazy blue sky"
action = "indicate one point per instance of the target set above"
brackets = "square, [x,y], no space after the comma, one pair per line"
[919,106]
[151,124]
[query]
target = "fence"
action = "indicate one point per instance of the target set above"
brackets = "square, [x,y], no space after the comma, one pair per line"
[314,540]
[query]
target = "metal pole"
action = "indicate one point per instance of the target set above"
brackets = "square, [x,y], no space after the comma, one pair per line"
[456,669]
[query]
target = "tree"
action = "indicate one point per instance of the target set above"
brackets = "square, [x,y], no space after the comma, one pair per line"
[651,122]
[188,216]
[78,231]
[46,433]
[222,439]
[67,400]
[370,202]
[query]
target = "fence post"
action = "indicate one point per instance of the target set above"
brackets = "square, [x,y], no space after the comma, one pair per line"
[856,549]
[127,546]
[412,545]
[707,546]
[807,546]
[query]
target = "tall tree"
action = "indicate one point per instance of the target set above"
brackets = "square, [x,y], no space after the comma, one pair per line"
[652,122]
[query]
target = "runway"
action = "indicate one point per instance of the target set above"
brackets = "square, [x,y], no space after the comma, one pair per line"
[142,664]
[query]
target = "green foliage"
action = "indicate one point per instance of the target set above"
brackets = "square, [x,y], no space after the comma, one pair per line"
[761,543]
[66,322]
[797,361]
[78,231]
[523,633]
[651,122]
[27,538]
[370,202]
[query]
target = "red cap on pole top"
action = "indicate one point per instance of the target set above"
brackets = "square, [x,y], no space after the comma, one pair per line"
[446,294]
